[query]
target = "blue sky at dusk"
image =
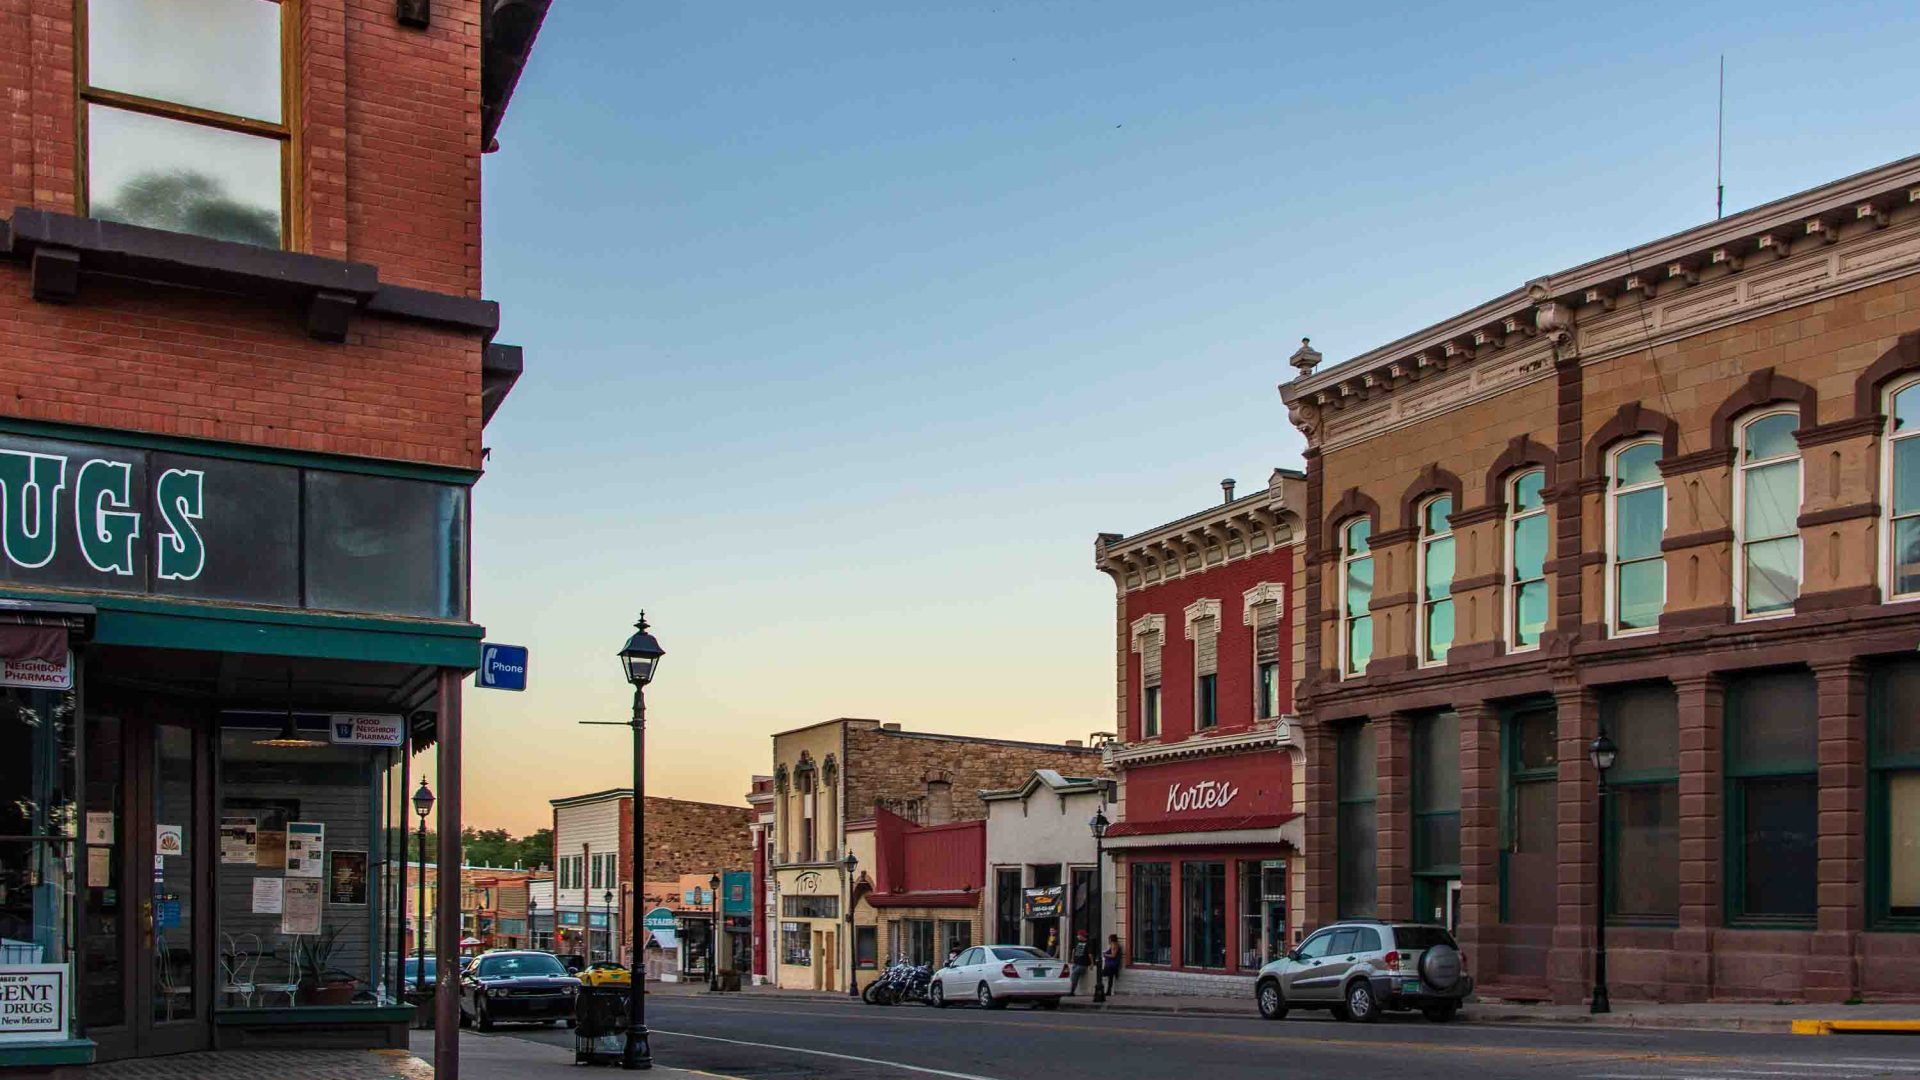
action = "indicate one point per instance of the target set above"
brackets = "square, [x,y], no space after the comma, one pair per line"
[847,328]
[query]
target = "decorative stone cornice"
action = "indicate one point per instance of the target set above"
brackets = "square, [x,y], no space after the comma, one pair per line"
[1844,235]
[1198,612]
[1253,524]
[1260,594]
[1281,734]
[1144,627]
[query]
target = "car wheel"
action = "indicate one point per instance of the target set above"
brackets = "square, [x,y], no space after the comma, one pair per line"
[937,995]
[1361,1005]
[1440,1014]
[985,997]
[1272,1005]
[483,1018]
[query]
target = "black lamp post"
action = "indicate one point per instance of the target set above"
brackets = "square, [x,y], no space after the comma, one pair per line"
[713,933]
[851,863]
[639,659]
[1098,824]
[533,912]
[1602,754]
[422,806]
[606,901]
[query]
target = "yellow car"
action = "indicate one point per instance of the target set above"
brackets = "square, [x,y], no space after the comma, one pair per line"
[605,973]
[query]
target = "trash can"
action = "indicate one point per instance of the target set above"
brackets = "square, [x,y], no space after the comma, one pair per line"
[599,1024]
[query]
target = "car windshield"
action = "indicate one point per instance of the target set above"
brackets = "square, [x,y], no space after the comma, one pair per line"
[1019,952]
[508,967]
[413,965]
[1420,938]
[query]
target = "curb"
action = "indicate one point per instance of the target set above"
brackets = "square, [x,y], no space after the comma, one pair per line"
[1856,1027]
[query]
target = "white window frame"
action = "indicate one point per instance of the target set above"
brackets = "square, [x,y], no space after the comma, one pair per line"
[1250,602]
[1511,570]
[1420,578]
[1347,559]
[1202,618]
[1886,576]
[1150,632]
[1741,466]
[1613,495]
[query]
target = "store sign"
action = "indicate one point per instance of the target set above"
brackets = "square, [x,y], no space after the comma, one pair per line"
[1043,903]
[502,667]
[37,674]
[367,729]
[33,1002]
[1227,785]
[157,523]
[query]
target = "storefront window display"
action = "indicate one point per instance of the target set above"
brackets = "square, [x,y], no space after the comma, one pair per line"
[39,852]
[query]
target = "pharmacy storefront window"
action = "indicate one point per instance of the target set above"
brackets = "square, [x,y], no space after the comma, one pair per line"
[39,852]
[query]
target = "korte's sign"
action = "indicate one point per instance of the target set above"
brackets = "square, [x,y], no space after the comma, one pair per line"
[157,523]
[1220,786]
[33,1002]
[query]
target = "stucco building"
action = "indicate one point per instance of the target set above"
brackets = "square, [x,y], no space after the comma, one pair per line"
[829,782]
[1042,886]
[1207,648]
[1668,495]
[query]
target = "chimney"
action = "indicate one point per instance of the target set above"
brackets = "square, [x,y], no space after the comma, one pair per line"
[1226,489]
[889,727]
[1075,743]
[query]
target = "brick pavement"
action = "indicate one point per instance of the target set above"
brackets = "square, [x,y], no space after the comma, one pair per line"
[278,1064]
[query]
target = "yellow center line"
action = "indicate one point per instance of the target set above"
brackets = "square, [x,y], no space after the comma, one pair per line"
[1559,1053]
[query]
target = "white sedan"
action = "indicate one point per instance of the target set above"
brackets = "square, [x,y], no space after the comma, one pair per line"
[992,975]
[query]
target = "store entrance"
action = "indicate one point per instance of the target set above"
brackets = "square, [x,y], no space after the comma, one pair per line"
[145,980]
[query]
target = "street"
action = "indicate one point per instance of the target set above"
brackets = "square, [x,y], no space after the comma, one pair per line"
[763,1036]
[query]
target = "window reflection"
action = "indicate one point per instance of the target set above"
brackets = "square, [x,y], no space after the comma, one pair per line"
[220,55]
[169,174]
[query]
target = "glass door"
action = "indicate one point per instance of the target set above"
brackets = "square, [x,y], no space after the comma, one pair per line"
[146,981]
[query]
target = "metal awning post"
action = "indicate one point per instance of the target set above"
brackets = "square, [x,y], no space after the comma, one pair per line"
[446,1013]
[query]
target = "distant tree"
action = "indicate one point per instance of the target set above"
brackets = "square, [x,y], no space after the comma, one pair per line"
[488,847]
[190,202]
[536,849]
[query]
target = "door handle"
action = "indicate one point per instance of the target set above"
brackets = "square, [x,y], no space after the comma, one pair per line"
[146,917]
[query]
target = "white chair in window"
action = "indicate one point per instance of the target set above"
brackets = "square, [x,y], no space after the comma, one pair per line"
[174,993]
[292,985]
[239,967]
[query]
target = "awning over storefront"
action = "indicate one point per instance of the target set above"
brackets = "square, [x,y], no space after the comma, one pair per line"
[1287,829]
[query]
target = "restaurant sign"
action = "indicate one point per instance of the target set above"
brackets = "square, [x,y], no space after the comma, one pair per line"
[1048,902]
[1217,786]
[33,1002]
[159,523]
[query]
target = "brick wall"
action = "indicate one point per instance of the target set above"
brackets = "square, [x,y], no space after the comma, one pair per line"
[386,171]
[688,838]
[894,768]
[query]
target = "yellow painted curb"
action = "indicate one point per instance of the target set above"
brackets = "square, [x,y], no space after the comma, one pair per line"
[1857,1027]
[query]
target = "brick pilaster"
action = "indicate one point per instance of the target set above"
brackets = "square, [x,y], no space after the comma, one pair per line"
[1322,870]
[1480,835]
[1394,809]
[1577,851]
[1832,973]
[1702,839]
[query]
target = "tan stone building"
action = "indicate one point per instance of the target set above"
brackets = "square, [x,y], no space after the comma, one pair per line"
[1672,495]
[829,779]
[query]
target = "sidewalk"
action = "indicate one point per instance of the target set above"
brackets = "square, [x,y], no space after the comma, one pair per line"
[1705,1016]
[481,1058]
[503,1057]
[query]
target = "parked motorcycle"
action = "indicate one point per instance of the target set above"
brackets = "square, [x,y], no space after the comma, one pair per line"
[900,982]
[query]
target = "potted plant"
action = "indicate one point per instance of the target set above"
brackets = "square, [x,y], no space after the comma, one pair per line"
[320,982]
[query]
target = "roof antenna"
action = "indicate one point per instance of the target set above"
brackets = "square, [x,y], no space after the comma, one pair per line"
[1719,147]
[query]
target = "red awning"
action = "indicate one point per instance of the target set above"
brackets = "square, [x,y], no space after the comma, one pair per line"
[44,643]
[1218,824]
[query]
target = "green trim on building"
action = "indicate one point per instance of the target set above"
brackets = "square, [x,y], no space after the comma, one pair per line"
[173,624]
[267,455]
[40,1055]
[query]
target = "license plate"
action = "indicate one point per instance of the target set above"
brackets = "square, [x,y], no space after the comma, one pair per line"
[1038,973]
[1410,986]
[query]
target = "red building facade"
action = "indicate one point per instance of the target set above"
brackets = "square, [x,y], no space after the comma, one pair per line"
[1208,839]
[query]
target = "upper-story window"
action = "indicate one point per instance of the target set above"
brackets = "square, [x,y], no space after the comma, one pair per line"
[184,122]
[1149,632]
[1766,514]
[1902,485]
[1261,610]
[1526,560]
[1636,521]
[1203,629]
[1356,588]
[1436,580]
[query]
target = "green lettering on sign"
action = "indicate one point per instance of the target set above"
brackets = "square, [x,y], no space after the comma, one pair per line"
[182,554]
[30,484]
[103,511]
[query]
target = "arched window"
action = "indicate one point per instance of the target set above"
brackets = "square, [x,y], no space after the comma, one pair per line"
[1766,511]
[1902,488]
[1526,560]
[1356,592]
[1436,580]
[1636,521]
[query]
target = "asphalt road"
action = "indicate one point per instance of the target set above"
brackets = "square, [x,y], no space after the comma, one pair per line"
[760,1036]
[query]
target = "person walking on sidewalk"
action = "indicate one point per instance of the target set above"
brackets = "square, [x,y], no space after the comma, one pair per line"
[1110,962]
[1082,959]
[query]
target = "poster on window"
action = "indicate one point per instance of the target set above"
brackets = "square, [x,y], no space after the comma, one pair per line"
[300,906]
[306,849]
[347,877]
[238,840]
[270,817]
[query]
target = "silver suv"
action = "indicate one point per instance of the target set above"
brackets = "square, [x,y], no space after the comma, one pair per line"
[1358,968]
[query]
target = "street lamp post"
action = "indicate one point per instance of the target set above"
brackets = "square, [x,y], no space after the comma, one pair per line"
[713,933]
[606,901]
[1098,824]
[422,806]
[1601,754]
[639,660]
[851,863]
[533,913]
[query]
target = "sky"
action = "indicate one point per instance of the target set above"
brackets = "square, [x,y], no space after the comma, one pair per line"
[848,326]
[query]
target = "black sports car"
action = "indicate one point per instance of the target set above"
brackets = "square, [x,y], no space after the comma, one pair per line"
[511,985]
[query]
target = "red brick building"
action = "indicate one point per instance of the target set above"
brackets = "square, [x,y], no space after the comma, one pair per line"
[1208,841]
[245,371]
